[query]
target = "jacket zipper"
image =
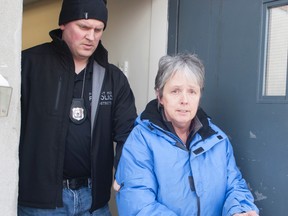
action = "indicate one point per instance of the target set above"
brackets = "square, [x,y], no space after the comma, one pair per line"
[58,93]
[198,205]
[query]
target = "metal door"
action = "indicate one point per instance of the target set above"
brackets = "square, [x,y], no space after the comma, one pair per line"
[228,36]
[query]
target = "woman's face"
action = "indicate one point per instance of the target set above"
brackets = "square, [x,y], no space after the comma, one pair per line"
[180,100]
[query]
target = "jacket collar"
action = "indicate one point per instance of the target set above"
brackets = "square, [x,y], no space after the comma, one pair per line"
[153,113]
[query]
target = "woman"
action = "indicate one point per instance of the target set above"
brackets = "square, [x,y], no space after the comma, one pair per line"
[176,161]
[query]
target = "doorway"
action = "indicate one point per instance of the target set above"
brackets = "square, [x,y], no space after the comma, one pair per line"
[229,36]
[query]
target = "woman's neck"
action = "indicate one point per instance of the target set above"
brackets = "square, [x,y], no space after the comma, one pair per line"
[182,133]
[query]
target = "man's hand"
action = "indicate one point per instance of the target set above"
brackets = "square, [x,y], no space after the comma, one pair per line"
[116,187]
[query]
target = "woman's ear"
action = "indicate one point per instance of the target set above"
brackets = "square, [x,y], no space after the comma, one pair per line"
[158,98]
[157,95]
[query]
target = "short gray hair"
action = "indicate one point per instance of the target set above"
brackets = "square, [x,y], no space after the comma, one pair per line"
[186,63]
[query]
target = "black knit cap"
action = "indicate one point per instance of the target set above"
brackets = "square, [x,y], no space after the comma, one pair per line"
[83,9]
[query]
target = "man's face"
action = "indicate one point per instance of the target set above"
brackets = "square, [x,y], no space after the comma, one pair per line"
[82,37]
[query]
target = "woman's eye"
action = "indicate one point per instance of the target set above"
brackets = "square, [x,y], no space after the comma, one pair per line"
[193,91]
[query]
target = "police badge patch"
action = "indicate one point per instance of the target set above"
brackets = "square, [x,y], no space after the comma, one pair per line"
[77,111]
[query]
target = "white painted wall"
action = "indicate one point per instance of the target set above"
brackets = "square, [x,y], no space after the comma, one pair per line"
[137,33]
[10,54]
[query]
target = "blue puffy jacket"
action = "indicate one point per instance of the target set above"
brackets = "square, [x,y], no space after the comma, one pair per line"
[158,175]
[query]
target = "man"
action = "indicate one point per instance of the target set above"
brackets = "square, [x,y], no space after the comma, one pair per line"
[74,105]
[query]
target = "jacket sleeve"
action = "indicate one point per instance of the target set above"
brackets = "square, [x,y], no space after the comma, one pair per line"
[138,192]
[124,112]
[238,197]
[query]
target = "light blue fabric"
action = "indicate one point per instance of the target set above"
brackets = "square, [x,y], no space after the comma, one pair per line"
[154,175]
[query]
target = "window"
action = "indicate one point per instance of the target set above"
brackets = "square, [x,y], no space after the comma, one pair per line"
[275,55]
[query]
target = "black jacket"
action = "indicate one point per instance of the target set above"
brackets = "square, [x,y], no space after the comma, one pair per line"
[46,94]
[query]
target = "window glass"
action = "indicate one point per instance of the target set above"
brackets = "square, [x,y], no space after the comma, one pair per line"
[275,77]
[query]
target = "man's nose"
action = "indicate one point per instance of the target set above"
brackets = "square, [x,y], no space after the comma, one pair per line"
[90,35]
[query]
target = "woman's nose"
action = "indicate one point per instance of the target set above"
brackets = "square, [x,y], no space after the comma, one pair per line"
[184,98]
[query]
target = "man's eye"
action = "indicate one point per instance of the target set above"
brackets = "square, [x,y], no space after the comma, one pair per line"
[98,30]
[82,27]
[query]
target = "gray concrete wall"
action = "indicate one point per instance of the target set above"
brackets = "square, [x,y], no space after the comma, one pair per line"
[10,55]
